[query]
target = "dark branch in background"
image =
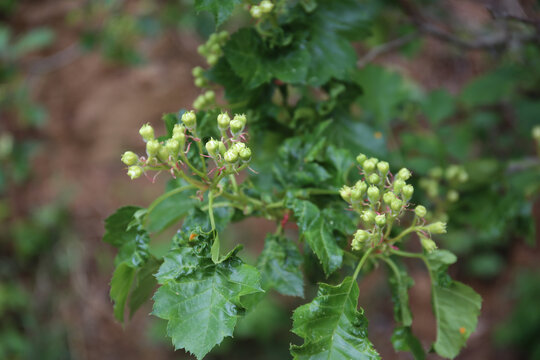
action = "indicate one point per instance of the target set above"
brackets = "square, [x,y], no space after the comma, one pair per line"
[385,48]
[493,41]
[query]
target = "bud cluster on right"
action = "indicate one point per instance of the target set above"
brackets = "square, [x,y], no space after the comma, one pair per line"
[382,199]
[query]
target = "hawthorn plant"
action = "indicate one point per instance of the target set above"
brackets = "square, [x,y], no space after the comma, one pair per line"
[290,83]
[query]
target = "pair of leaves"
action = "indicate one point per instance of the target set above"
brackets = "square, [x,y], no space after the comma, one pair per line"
[202,300]
[331,325]
[317,227]
[279,265]
[134,265]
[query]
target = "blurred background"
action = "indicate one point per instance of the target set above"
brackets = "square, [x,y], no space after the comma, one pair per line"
[78,78]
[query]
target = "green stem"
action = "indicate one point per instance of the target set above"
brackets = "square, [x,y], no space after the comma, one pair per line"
[211,210]
[361,263]
[233,182]
[408,254]
[195,170]
[403,233]
[199,145]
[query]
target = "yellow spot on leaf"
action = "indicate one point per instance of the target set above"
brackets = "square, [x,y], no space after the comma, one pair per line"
[192,236]
[378,135]
[462,330]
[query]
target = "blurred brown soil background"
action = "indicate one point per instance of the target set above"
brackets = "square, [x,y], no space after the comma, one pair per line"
[95,109]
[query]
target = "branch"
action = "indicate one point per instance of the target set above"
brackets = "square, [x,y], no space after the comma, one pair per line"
[385,48]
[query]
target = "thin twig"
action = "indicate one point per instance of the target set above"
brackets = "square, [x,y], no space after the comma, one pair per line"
[385,48]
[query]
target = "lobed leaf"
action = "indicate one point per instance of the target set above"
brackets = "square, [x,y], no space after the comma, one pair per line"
[221,9]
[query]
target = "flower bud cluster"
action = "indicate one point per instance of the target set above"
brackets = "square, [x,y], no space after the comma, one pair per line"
[441,185]
[381,199]
[205,100]
[230,152]
[198,74]
[264,8]
[212,49]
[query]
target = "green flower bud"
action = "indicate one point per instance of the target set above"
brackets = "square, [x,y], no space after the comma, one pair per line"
[200,82]
[202,49]
[236,126]
[407,192]
[404,174]
[452,172]
[210,96]
[215,48]
[212,146]
[197,71]
[223,36]
[452,196]
[345,192]
[383,167]
[369,165]
[398,185]
[147,132]
[238,146]
[134,172]
[396,205]
[178,130]
[420,211]
[173,147]
[463,176]
[373,194]
[356,194]
[361,158]
[231,156]
[388,197]
[212,59]
[163,154]
[380,220]
[436,228]
[374,179]
[190,119]
[256,12]
[213,38]
[223,121]
[245,154]
[436,173]
[222,148]
[266,6]
[361,186]
[130,158]
[242,118]
[368,216]
[428,244]
[360,237]
[152,147]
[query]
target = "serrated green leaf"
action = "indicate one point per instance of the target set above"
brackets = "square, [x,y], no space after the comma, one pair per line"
[404,340]
[400,282]
[221,9]
[456,306]
[202,308]
[279,265]
[120,285]
[168,208]
[144,286]
[255,64]
[317,231]
[332,327]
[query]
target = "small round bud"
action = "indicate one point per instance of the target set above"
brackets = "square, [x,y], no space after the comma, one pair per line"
[360,185]
[368,217]
[388,197]
[428,244]
[356,194]
[130,158]
[369,165]
[147,132]
[197,71]
[178,129]
[213,38]
[404,174]
[345,192]
[266,6]
[210,96]
[202,49]
[231,156]
[361,158]
[200,82]
[374,179]
[223,121]
[189,119]
[380,220]
[436,173]
[152,147]
[173,146]
[236,126]
[242,118]
[396,205]
[463,176]
[215,48]
[163,154]
[212,59]
[452,172]
[398,185]
[134,172]
[238,146]
[360,237]
[223,36]
[212,146]
[221,147]
[407,192]
[245,154]
[256,12]
[452,196]
[383,167]
[373,194]
[436,228]
[420,211]
[198,104]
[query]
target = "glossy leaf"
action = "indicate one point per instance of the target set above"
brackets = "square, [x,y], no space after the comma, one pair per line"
[279,265]
[332,327]
[404,340]
[120,285]
[221,9]
[168,208]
